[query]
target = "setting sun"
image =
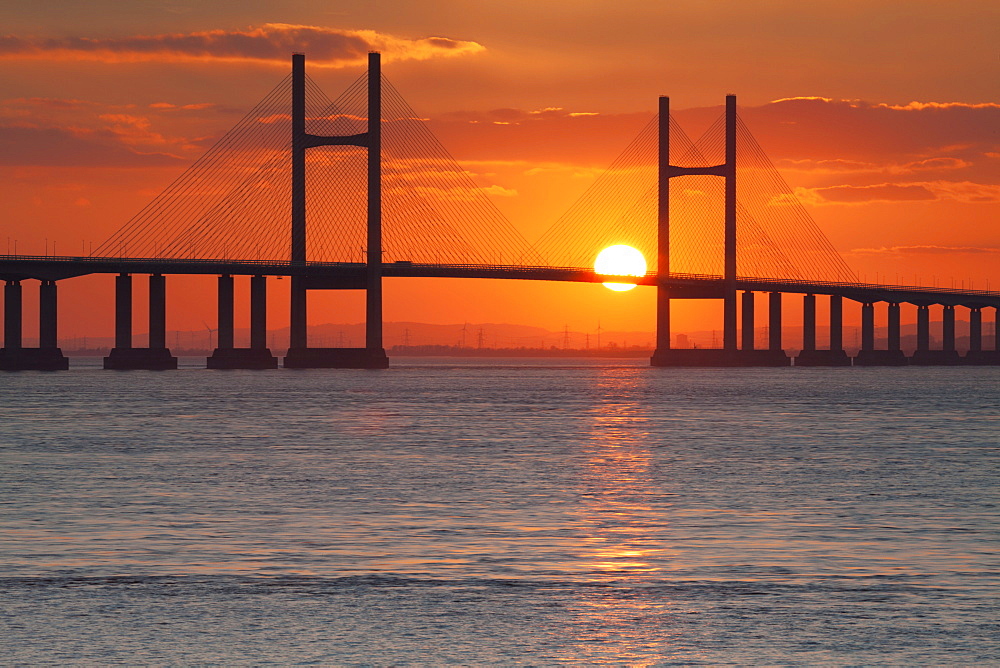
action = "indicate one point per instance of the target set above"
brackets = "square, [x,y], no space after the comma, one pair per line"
[620,260]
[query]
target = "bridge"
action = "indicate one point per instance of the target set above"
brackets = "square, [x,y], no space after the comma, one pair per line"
[733,227]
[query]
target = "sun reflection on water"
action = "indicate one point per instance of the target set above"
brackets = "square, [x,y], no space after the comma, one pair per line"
[620,526]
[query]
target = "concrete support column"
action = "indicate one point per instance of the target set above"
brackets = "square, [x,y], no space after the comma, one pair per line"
[373,254]
[297,329]
[975,329]
[893,333]
[748,321]
[297,324]
[47,315]
[809,322]
[157,311]
[836,322]
[948,328]
[774,320]
[663,226]
[662,318]
[996,328]
[258,312]
[225,339]
[923,328]
[867,326]
[123,311]
[12,312]
[729,278]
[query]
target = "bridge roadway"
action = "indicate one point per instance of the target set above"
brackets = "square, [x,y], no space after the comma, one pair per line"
[348,275]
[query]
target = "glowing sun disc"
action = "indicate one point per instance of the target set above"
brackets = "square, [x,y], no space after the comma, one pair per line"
[620,260]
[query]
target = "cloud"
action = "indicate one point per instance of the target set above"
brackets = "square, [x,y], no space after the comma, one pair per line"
[884,192]
[460,194]
[921,106]
[965,191]
[57,147]
[60,132]
[132,129]
[856,134]
[499,191]
[925,250]
[959,191]
[539,137]
[840,166]
[803,98]
[271,43]
[183,107]
[511,116]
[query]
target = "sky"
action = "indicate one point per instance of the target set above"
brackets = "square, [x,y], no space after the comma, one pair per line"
[882,117]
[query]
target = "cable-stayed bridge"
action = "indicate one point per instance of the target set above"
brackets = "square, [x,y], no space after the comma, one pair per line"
[338,194]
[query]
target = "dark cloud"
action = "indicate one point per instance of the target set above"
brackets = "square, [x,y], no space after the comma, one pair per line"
[854,130]
[55,147]
[270,43]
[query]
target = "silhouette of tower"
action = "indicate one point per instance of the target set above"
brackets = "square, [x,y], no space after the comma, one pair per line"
[300,355]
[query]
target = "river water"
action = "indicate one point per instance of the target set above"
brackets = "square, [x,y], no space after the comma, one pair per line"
[500,512]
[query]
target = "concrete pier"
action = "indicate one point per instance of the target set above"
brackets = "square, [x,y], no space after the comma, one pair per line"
[946,355]
[257,356]
[12,314]
[834,355]
[976,356]
[774,322]
[746,356]
[868,355]
[867,327]
[47,356]
[748,321]
[975,329]
[808,323]
[155,357]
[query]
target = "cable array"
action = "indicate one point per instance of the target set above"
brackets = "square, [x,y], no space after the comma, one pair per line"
[614,210]
[234,202]
[767,197]
[776,237]
[172,225]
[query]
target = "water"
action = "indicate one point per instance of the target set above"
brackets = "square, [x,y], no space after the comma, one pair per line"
[526,513]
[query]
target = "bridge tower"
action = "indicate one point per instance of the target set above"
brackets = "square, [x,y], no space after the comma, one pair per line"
[729,355]
[300,355]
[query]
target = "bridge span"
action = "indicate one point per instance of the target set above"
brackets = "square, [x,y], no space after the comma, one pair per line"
[47,270]
[734,286]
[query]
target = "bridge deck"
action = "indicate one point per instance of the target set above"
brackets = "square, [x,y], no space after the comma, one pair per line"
[346,275]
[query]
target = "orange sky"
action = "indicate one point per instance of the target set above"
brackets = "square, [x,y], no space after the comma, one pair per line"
[882,116]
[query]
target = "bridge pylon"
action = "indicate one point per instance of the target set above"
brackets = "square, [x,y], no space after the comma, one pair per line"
[300,355]
[729,354]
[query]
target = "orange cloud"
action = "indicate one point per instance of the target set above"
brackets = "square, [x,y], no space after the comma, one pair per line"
[839,166]
[271,43]
[964,191]
[920,106]
[924,250]
[65,132]
[539,137]
[57,147]
[878,133]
